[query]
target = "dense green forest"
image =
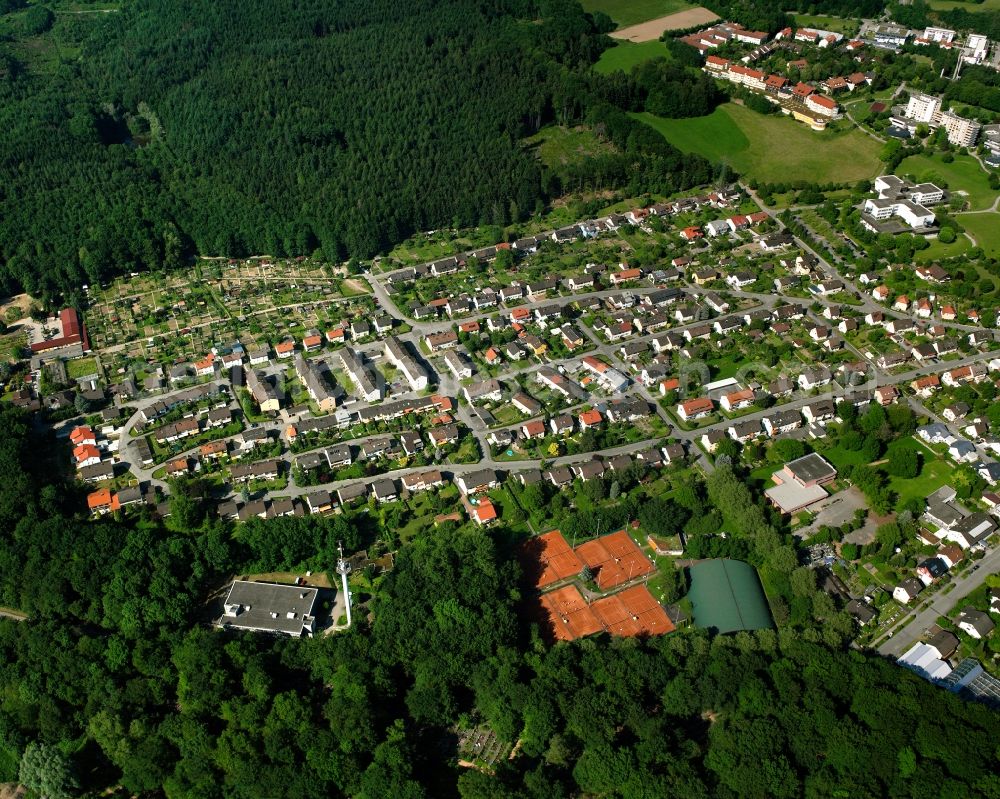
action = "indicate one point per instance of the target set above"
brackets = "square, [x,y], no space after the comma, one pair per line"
[292,127]
[115,680]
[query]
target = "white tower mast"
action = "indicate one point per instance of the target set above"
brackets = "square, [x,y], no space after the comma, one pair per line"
[343,569]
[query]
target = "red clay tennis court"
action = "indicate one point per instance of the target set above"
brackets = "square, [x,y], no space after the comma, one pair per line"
[615,559]
[568,613]
[632,612]
[628,613]
[555,559]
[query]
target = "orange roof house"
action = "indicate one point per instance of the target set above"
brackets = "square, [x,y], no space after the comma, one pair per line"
[625,275]
[85,452]
[84,434]
[484,512]
[102,500]
[692,408]
[590,418]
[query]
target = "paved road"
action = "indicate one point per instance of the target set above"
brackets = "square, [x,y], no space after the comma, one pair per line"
[941,606]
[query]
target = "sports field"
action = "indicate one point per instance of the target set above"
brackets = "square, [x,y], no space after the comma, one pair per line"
[655,28]
[631,12]
[773,149]
[626,55]
[963,174]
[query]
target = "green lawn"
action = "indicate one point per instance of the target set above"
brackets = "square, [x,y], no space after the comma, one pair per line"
[985,229]
[934,473]
[772,148]
[939,250]
[81,367]
[963,174]
[948,5]
[626,55]
[557,145]
[632,12]
[841,457]
[835,24]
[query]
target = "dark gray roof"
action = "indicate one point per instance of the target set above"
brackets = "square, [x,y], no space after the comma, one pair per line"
[944,642]
[810,468]
[270,607]
[979,621]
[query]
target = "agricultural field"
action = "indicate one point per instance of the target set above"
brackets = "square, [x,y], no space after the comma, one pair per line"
[632,12]
[746,141]
[964,174]
[655,28]
[625,55]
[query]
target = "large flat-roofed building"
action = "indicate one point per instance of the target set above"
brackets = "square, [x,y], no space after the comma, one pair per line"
[800,483]
[916,216]
[270,608]
[72,332]
[891,187]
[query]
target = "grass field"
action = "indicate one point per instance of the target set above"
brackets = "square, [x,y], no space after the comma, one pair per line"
[939,249]
[626,55]
[835,24]
[631,12]
[558,145]
[963,174]
[934,473]
[948,5]
[772,148]
[985,229]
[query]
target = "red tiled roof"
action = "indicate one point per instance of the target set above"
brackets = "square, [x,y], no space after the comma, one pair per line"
[99,499]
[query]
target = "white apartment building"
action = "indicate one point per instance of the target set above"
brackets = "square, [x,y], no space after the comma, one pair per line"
[939,34]
[890,187]
[415,374]
[916,216]
[977,47]
[962,132]
[923,108]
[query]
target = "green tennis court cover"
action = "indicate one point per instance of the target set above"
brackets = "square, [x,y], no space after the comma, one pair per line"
[727,595]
